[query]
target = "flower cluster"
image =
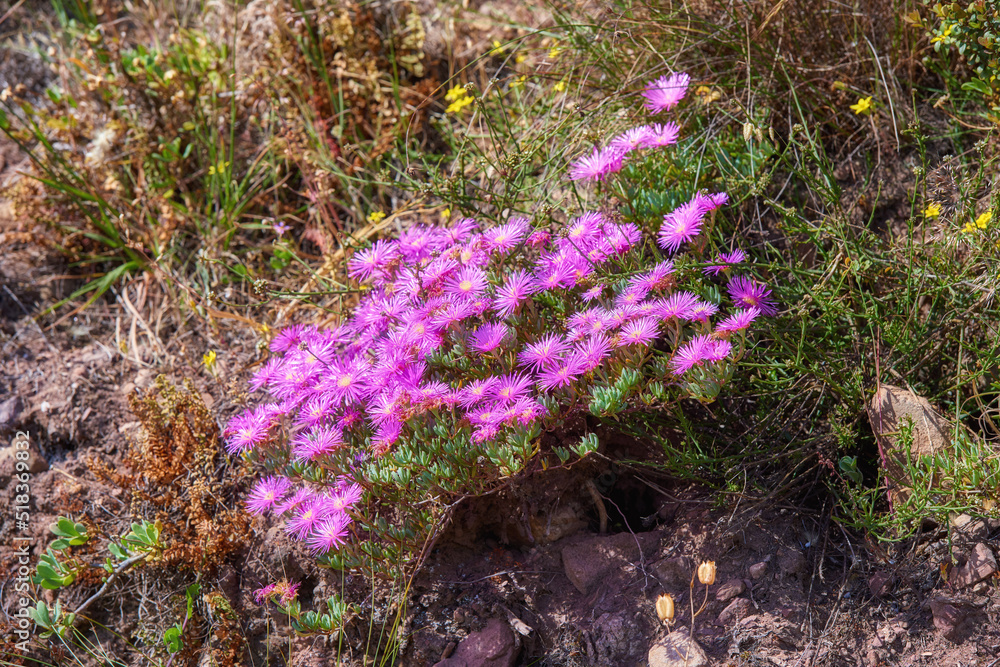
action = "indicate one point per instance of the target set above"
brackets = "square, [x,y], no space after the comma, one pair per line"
[488,332]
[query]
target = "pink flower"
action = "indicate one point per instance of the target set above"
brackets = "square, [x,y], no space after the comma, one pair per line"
[469,283]
[288,338]
[512,387]
[316,442]
[267,492]
[506,237]
[477,391]
[562,374]
[302,524]
[519,286]
[593,293]
[723,261]
[377,259]
[676,306]
[246,431]
[691,354]
[543,353]
[592,351]
[596,166]
[680,225]
[662,135]
[701,310]
[488,337]
[747,293]
[638,332]
[656,278]
[329,534]
[628,141]
[738,321]
[664,93]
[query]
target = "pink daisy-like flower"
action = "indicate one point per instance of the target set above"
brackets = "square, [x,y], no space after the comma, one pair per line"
[490,414]
[519,286]
[562,374]
[460,230]
[488,337]
[631,296]
[557,275]
[267,373]
[691,354]
[295,500]
[638,332]
[681,225]
[748,293]
[725,260]
[539,238]
[527,411]
[718,350]
[470,282]
[701,310]
[543,353]
[309,513]
[485,433]
[663,135]
[592,351]
[656,278]
[329,534]
[584,228]
[714,201]
[628,141]
[738,321]
[288,338]
[506,237]
[676,306]
[512,387]
[664,93]
[477,391]
[316,442]
[593,293]
[345,498]
[267,492]
[364,264]
[246,431]
[596,166]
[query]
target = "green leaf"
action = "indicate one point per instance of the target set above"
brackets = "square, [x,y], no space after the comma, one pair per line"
[979,86]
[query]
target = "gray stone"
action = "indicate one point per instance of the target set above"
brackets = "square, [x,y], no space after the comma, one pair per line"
[676,650]
[980,565]
[758,570]
[493,646]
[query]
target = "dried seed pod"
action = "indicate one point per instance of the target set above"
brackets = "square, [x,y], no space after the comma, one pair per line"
[706,572]
[665,607]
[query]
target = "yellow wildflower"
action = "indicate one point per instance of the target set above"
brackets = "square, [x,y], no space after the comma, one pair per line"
[218,169]
[554,52]
[520,58]
[560,86]
[446,214]
[376,217]
[209,359]
[518,82]
[864,105]
[456,93]
[459,104]
[933,210]
[497,48]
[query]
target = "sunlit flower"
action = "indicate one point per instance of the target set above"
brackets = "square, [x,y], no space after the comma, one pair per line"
[863,106]
[664,93]
[933,210]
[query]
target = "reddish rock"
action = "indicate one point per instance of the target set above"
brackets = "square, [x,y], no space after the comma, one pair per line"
[730,590]
[791,562]
[737,610]
[587,561]
[675,571]
[493,646]
[952,618]
[880,583]
[980,565]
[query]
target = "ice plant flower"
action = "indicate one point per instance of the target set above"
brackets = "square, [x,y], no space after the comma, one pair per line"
[663,135]
[681,225]
[638,332]
[664,93]
[488,337]
[738,321]
[597,165]
[725,260]
[329,534]
[267,492]
[748,293]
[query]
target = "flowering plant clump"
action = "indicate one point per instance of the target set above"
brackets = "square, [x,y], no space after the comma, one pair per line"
[470,342]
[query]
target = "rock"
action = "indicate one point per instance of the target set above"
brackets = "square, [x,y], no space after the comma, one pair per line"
[980,565]
[10,410]
[36,462]
[552,527]
[880,583]
[758,570]
[730,589]
[975,528]
[676,650]
[791,562]
[493,646]
[589,560]
[953,618]
[615,639]
[889,412]
[737,610]
[675,571]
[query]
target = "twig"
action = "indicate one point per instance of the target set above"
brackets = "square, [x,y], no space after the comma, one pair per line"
[110,580]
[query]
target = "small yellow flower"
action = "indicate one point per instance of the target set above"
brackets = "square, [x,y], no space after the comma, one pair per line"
[520,58]
[559,87]
[219,168]
[518,82]
[459,104]
[554,52]
[209,359]
[863,106]
[982,222]
[376,217]
[933,210]
[456,93]
[497,48]
[446,214]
